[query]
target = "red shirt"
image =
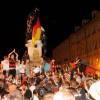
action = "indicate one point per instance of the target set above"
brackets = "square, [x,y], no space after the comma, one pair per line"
[12,63]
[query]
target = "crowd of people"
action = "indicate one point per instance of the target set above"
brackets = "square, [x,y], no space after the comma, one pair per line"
[20,80]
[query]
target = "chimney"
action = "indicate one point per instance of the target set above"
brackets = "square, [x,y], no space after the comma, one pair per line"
[95,14]
[84,21]
[76,28]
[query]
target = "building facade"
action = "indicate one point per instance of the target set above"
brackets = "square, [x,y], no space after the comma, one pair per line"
[84,43]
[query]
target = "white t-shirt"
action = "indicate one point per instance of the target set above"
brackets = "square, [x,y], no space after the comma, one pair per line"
[37,70]
[32,88]
[94,90]
[22,69]
[35,97]
[17,66]
[5,64]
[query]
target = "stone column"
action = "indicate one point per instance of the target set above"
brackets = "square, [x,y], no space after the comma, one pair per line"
[35,53]
[30,49]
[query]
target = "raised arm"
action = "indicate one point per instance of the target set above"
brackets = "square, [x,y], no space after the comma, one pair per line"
[11,53]
[16,54]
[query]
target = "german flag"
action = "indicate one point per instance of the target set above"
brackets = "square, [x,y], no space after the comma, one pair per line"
[36,34]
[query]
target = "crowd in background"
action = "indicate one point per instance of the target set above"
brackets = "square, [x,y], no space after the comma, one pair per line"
[20,80]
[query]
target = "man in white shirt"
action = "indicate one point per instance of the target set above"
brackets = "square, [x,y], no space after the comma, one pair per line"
[5,65]
[32,88]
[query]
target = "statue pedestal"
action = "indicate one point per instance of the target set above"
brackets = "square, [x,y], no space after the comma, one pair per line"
[35,53]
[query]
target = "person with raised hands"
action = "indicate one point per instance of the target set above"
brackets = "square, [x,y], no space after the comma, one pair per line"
[13,57]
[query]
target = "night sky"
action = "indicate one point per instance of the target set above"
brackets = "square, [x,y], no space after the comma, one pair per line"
[57,17]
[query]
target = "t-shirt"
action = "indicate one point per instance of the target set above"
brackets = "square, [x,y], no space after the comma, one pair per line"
[5,64]
[35,97]
[37,70]
[46,67]
[12,63]
[32,88]
[22,68]
[94,90]
[27,71]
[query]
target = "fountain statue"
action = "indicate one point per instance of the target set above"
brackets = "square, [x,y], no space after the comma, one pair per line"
[34,52]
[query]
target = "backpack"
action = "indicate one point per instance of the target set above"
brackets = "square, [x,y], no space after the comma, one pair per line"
[28,94]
